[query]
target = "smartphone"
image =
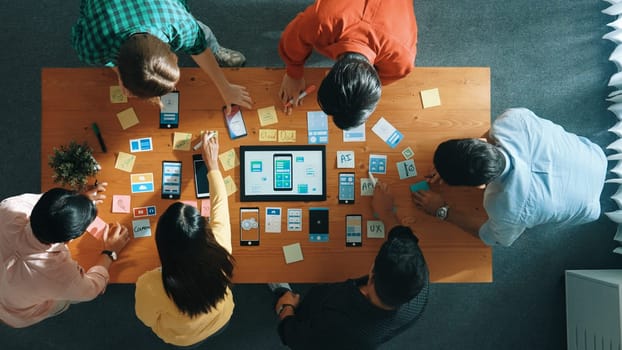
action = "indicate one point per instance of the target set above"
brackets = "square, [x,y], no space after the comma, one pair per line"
[235,122]
[171,179]
[249,226]
[318,224]
[346,188]
[354,230]
[201,186]
[282,172]
[169,111]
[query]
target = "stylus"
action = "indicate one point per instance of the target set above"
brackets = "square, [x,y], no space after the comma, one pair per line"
[209,136]
[307,91]
[372,178]
[99,137]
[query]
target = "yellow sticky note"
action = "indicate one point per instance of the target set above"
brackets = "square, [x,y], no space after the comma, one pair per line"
[116,95]
[125,162]
[430,98]
[181,141]
[267,134]
[127,118]
[229,159]
[267,116]
[292,253]
[230,185]
[287,135]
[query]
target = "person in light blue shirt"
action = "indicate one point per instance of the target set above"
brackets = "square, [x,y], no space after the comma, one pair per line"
[534,173]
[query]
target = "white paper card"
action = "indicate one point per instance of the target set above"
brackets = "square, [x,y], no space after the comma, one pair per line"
[367,187]
[273,220]
[345,159]
[355,134]
[375,229]
[141,228]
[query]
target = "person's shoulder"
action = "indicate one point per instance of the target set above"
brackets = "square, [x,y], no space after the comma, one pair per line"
[149,278]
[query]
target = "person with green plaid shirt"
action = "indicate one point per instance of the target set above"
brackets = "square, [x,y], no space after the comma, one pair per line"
[139,38]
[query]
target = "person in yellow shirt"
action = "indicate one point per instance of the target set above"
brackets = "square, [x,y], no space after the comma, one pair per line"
[188,298]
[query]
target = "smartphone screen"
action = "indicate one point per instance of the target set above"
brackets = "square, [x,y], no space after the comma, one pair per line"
[346,188]
[171,179]
[249,226]
[169,111]
[283,172]
[354,231]
[235,123]
[201,186]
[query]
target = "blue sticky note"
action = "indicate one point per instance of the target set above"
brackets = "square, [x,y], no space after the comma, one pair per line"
[419,186]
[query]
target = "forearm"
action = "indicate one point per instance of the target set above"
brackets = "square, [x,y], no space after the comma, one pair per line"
[207,63]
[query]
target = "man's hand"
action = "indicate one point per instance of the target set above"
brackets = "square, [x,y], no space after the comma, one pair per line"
[428,201]
[382,202]
[238,95]
[291,89]
[287,298]
[95,194]
[210,152]
[433,177]
[116,237]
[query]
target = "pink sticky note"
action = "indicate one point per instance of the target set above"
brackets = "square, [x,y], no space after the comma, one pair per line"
[206,207]
[191,203]
[121,203]
[97,228]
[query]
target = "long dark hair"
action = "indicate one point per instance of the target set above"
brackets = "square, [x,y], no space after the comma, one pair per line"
[196,270]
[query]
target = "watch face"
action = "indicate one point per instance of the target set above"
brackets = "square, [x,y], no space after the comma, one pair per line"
[441,213]
[113,256]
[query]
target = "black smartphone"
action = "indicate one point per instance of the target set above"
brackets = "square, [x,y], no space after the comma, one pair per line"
[201,185]
[346,188]
[283,174]
[169,110]
[171,179]
[235,122]
[249,226]
[318,224]
[354,230]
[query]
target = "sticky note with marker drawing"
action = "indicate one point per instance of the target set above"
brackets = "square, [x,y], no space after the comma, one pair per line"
[367,187]
[229,159]
[117,95]
[181,141]
[127,118]
[267,116]
[97,228]
[345,159]
[375,229]
[121,203]
[125,162]
[141,228]
[287,135]
[230,185]
[267,135]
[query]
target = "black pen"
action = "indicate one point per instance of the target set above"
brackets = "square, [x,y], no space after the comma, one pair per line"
[99,137]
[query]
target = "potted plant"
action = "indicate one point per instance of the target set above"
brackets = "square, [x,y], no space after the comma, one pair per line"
[73,165]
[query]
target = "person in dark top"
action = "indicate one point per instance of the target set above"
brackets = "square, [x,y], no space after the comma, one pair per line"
[365,312]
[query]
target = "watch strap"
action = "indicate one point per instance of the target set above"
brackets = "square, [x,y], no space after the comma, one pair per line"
[112,255]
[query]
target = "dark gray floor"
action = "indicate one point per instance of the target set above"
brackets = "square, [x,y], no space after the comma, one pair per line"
[544,55]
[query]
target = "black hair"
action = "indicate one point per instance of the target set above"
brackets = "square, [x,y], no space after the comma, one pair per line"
[468,162]
[196,270]
[400,270]
[61,215]
[350,91]
[147,66]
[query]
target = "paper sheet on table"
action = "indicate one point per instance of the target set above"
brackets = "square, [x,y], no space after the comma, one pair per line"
[267,135]
[121,203]
[430,98]
[127,118]
[287,135]
[292,253]
[97,228]
[267,116]
[125,162]
[229,159]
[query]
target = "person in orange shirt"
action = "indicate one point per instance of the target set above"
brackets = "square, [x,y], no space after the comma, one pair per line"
[374,43]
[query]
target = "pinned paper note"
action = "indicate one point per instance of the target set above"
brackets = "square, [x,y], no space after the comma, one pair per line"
[267,116]
[141,228]
[121,203]
[408,153]
[377,164]
[230,185]
[144,144]
[125,162]
[206,207]
[430,98]
[273,220]
[387,132]
[345,159]
[287,135]
[97,228]
[355,134]
[420,186]
[181,141]
[127,118]
[267,135]
[317,127]
[406,169]
[375,229]
[367,187]
[117,95]
[229,159]
[292,253]
[142,182]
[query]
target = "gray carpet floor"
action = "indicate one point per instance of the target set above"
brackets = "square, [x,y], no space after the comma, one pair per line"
[544,55]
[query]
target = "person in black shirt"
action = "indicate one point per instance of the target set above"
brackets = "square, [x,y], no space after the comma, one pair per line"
[365,312]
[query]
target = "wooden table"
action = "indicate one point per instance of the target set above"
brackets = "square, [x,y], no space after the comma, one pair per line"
[75,98]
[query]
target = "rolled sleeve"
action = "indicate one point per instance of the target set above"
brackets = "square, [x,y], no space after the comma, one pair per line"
[497,234]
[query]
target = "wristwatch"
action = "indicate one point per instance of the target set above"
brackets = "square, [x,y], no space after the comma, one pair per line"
[111,254]
[441,212]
